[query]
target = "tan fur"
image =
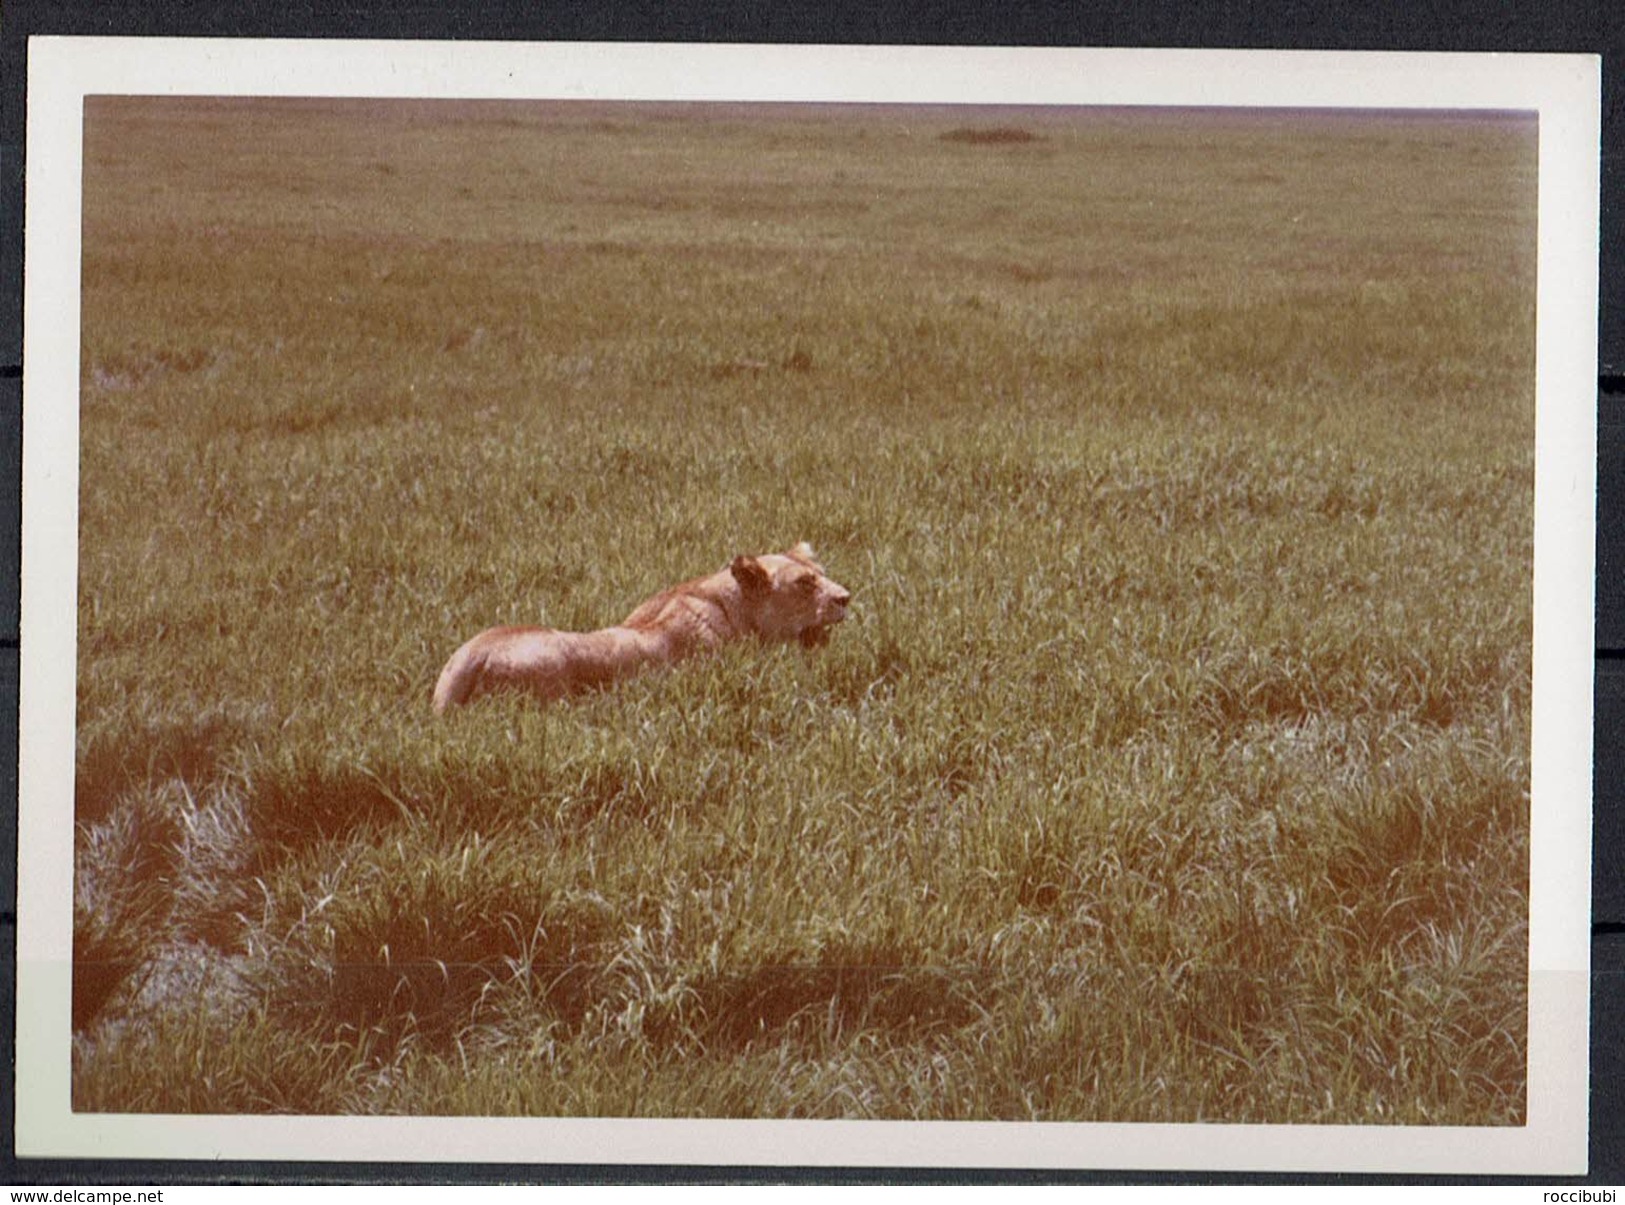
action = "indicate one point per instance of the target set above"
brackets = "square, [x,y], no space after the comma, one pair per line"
[780,596]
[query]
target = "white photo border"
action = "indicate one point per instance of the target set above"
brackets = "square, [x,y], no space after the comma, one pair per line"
[1564,90]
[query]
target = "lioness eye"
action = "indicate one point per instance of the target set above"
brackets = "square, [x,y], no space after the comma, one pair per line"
[808,582]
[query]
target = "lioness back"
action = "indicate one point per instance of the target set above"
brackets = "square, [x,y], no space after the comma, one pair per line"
[779,596]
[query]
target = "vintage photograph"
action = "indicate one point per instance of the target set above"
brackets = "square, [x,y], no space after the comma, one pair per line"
[695,609]
[1171,762]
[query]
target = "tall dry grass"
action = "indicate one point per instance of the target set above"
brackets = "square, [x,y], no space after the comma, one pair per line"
[1173,766]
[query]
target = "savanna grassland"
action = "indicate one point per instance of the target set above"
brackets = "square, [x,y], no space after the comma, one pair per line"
[1173,765]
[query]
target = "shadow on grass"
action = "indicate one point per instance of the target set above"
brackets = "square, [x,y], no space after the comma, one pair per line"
[570,978]
[861,988]
[189,747]
[427,968]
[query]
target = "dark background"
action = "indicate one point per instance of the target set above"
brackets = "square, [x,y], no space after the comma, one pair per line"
[1565,26]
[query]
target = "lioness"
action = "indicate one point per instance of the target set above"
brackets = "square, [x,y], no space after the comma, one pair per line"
[780,596]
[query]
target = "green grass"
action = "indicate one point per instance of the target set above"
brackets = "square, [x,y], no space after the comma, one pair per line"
[1174,762]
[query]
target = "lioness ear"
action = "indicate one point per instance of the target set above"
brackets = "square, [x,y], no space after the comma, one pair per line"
[750,575]
[805,550]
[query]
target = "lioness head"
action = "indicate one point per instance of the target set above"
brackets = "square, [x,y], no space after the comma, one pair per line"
[788,596]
